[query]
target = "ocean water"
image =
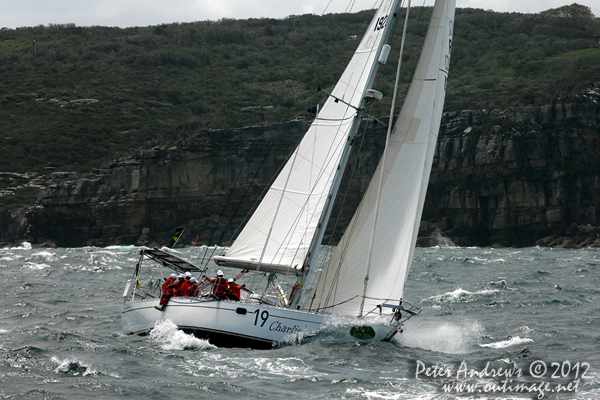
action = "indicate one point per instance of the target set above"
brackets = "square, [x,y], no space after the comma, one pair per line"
[530,316]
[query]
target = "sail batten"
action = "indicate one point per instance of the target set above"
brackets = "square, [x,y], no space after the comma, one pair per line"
[404,176]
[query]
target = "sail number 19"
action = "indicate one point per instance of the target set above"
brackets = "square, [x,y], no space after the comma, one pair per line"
[380,24]
[264,316]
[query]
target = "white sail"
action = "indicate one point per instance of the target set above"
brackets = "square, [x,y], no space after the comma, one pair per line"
[406,173]
[278,235]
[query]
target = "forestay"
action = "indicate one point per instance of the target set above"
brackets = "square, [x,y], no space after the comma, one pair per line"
[278,235]
[405,177]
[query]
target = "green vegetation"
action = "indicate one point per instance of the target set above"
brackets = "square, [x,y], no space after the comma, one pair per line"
[157,84]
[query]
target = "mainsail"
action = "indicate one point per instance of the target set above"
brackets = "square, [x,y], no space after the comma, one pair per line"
[279,233]
[341,287]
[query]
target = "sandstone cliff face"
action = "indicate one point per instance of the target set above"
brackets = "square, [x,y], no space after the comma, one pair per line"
[516,176]
[198,184]
[504,178]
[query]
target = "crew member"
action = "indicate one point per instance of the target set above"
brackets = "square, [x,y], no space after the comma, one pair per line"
[172,289]
[180,286]
[193,289]
[167,282]
[233,292]
[219,284]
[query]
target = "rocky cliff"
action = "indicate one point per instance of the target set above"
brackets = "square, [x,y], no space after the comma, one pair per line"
[516,176]
[505,178]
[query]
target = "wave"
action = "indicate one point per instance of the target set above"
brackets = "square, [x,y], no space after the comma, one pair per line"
[506,343]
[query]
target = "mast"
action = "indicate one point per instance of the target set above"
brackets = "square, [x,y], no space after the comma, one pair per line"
[299,294]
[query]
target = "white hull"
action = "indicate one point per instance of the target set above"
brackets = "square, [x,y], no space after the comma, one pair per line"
[234,324]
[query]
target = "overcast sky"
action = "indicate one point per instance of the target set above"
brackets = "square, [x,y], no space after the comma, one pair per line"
[124,13]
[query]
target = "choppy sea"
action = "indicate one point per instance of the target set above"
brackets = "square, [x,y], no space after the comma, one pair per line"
[496,323]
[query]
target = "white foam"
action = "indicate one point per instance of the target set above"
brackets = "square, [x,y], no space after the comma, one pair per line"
[290,367]
[23,246]
[73,366]
[169,337]
[11,257]
[46,255]
[376,394]
[477,260]
[461,294]
[506,343]
[35,266]
[445,337]
[442,241]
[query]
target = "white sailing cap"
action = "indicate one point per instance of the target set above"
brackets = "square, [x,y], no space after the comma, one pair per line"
[173,275]
[219,273]
[230,280]
[181,276]
[188,273]
[193,280]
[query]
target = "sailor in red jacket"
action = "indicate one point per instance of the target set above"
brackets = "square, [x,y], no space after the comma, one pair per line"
[172,289]
[219,284]
[167,282]
[193,289]
[185,285]
[234,290]
[179,286]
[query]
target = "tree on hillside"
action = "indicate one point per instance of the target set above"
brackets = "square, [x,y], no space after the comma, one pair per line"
[570,22]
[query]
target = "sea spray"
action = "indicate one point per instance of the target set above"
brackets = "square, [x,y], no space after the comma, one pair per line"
[445,337]
[169,337]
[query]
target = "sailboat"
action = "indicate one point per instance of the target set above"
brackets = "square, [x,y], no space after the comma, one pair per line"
[362,285]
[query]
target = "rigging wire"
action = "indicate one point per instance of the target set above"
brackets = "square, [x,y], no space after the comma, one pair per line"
[249,213]
[238,206]
[350,5]
[382,162]
[343,201]
[326,7]
[222,211]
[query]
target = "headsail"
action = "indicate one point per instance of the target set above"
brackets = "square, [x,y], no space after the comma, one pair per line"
[405,178]
[279,233]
